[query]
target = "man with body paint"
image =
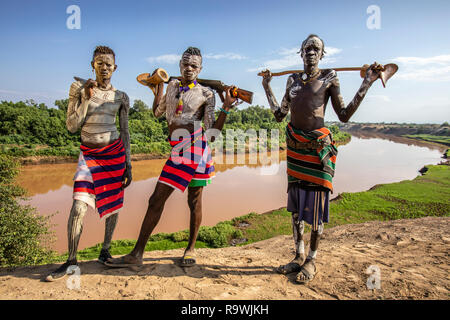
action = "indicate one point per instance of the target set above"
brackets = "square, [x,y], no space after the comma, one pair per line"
[190,166]
[104,165]
[311,153]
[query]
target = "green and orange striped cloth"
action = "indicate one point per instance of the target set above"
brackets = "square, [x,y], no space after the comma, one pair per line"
[312,165]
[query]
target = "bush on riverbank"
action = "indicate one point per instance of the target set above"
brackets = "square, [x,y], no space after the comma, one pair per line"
[24,234]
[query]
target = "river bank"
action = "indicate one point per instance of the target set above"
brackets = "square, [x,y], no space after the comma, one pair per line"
[358,131]
[37,160]
[401,228]
[409,256]
[241,186]
[420,134]
[397,129]
[341,138]
[426,195]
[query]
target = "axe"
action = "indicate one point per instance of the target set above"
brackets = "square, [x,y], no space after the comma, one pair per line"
[83,81]
[387,71]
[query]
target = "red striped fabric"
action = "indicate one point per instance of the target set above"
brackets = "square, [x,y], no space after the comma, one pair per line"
[107,166]
[185,161]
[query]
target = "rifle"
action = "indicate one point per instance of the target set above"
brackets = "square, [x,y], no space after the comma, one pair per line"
[160,75]
[220,87]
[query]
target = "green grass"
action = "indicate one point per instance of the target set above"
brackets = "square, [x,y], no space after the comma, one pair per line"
[427,195]
[430,138]
[208,237]
[122,247]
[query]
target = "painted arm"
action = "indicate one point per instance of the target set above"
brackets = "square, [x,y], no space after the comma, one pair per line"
[125,135]
[280,112]
[209,115]
[159,103]
[77,108]
[345,113]
[227,105]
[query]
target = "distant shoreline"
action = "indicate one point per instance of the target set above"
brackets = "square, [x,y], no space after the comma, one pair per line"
[37,160]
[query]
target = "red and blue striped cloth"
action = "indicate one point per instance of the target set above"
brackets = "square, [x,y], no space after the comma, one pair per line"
[107,166]
[190,161]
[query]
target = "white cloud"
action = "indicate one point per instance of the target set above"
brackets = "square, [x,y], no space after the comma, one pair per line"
[441,59]
[331,51]
[165,58]
[428,69]
[175,58]
[432,74]
[379,97]
[291,57]
[227,56]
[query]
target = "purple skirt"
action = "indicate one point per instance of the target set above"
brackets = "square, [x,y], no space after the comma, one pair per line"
[312,206]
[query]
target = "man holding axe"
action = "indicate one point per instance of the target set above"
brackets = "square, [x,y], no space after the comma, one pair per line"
[185,104]
[104,164]
[311,153]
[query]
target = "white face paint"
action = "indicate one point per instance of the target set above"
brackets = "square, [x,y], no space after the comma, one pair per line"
[312,51]
[190,67]
[104,66]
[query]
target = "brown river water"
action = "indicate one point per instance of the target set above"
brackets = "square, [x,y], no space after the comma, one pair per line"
[237,189]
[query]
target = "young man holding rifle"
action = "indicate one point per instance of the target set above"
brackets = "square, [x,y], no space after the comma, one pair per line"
[190,165]
[311,154]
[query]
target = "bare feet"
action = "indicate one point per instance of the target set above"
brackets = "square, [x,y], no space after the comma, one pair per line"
[124,261]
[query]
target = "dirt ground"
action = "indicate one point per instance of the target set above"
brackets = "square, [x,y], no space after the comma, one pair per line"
[412,257]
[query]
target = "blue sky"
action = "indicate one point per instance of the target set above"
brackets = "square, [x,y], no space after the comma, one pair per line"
[39,55]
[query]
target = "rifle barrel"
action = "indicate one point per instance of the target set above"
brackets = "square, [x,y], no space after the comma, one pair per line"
[219,86]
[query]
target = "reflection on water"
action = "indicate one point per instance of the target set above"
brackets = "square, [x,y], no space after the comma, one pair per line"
[236,190]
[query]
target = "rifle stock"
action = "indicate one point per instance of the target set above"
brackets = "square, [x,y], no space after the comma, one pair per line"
[220,87]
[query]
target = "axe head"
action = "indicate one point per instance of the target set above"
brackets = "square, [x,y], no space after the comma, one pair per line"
[388,71]
[142,78]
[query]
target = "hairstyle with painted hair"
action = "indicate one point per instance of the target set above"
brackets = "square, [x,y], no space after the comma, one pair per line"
[103,50]
[193,51]
[313,36]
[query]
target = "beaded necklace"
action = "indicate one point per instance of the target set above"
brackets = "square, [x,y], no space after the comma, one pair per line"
[179,109]
[311,77]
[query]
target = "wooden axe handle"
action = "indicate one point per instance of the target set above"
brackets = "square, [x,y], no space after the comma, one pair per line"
[387,71]
[276,74]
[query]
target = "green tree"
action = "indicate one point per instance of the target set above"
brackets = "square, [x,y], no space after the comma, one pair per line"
[139,109]
[62,104]
[24,234]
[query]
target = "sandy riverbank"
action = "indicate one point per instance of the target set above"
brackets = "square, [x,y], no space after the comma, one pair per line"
[412,255]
